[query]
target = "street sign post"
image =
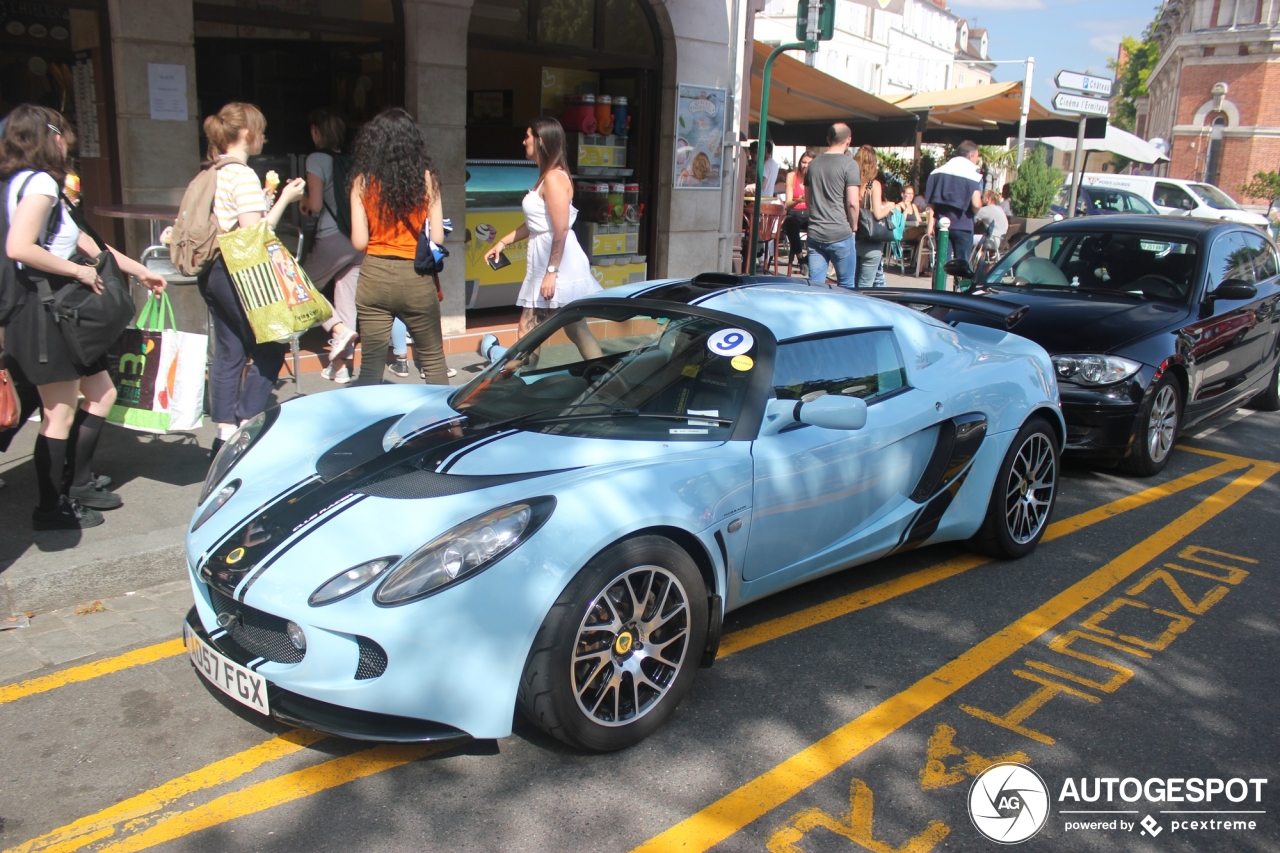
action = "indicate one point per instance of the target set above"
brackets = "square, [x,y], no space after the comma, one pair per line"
[1078,82]
[1065,102]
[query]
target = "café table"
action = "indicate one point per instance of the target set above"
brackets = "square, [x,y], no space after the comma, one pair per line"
[160,215]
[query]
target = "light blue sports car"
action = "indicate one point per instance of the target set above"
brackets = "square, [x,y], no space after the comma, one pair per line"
[565,533]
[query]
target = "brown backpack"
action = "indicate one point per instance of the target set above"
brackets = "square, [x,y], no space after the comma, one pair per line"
[193,244]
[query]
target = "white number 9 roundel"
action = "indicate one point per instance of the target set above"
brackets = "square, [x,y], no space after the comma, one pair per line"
[730,342]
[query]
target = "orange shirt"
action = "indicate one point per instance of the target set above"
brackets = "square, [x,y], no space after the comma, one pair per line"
[391,239]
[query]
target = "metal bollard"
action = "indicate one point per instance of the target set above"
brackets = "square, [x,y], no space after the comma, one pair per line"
[940,254]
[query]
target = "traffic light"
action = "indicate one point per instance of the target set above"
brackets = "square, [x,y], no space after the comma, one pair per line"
[826,20]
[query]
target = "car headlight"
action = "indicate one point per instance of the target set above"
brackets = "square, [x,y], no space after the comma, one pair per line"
[224,495]
[464,551]
[351,581]
[241,440]
[1094,369]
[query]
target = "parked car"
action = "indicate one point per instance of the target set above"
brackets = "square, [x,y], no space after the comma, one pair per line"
[565,533]
[1177,197]
[1102,201]
[1154,325]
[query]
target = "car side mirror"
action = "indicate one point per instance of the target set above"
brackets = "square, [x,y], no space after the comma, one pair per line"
[1234,289]
[958,267]
[830,411]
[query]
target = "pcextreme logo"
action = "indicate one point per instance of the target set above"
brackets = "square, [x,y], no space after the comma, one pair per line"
[1009,803]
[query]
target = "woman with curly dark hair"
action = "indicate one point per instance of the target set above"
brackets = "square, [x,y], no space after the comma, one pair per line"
[394,192]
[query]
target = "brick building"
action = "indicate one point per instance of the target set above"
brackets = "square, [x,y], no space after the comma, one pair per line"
[1211,96]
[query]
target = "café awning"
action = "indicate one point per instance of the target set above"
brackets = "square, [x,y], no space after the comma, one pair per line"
[1117,141]
[804,102]
[988,114]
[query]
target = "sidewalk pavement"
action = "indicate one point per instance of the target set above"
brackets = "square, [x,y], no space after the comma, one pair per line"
[140,544]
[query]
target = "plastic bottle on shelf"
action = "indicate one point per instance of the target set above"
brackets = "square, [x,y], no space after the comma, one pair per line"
[617,203]
[620,115]
[604,114]
[631,203]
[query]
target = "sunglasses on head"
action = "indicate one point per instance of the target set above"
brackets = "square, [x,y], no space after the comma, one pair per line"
[56,130]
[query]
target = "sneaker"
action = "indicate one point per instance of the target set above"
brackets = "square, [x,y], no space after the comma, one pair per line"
[400,367]
[342,375]
[101,481]
[67,515]
[94,498]
[451,372]
[338,343]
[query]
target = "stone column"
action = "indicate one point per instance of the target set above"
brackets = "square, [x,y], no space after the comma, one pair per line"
[436,95]
[157,158]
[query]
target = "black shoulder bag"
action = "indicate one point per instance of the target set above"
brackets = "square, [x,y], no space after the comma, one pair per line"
[870,229]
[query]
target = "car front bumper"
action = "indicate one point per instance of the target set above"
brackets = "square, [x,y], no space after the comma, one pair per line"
[1101,422]
[303,711]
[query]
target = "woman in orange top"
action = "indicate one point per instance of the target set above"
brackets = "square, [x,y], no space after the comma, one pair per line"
[393,193]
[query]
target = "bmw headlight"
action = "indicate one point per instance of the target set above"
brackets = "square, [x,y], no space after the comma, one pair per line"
[224,495]
[241,440]
[351,581]
[466,550]
[1094,369]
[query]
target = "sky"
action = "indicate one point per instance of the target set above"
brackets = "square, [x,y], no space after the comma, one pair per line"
[1071,35]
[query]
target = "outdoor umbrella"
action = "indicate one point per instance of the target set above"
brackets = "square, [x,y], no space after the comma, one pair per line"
[1118,141]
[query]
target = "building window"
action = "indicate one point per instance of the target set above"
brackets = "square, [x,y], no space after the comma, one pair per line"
[1213,158]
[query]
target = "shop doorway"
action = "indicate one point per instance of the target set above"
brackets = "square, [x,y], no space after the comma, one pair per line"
[556,58]
[58,54]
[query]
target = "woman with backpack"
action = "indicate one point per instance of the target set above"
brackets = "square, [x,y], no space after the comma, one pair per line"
[236,133]
[395,195]
[43,239]
[333,258]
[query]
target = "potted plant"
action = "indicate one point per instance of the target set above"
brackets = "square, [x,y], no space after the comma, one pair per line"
[1034,191]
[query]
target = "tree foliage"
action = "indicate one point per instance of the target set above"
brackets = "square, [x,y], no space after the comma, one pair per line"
[1037,185]
[1140,56]
[1264,185]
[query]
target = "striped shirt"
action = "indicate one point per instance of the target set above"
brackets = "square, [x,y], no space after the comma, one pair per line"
[238,192]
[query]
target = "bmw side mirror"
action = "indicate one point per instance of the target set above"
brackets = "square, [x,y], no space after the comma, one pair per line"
[1234,289]
[834,411]
[958,268]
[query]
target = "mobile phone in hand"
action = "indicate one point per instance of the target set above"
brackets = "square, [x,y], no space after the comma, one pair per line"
[501,261]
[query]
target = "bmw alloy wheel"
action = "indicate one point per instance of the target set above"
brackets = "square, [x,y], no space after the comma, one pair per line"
[630,646]
[1162,423]
[1029,491]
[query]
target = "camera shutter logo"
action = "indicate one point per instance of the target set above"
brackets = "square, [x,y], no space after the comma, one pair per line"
[1009,803]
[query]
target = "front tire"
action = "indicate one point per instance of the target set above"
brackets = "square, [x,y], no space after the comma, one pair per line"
[1022,497]
[620,648]
[1157,428]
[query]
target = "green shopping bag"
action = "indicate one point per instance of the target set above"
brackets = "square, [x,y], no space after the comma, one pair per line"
[275,292]
[158,373]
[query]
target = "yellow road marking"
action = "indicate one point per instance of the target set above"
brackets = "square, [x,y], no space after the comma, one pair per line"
[817,614]
[85,672]
[109,821]
[275,792]
[766,792]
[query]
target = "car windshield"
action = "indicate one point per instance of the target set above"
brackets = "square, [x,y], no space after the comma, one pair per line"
[1137,265]
[618,372]
[1214,197]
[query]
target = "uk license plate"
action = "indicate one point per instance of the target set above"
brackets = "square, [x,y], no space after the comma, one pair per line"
[241,684]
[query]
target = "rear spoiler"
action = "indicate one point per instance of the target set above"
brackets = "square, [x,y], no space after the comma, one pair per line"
[941,302]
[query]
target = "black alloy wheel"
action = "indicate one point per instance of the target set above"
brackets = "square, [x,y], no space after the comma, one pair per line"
[1023,495]
[620,648]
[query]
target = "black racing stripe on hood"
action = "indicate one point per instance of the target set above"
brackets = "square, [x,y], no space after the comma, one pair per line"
[356,449]
[266,531]
[415,484]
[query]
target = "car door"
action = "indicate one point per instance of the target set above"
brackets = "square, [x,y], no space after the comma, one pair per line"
[1171,198]
[1226,338]
[1266,273]
[815,487]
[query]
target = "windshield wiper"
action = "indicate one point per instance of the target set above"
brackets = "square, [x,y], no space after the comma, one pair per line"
[627,412]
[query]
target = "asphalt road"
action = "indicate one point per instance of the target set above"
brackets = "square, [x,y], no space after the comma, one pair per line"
[1139,642]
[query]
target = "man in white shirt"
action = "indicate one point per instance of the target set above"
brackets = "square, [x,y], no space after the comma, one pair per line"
[770,171]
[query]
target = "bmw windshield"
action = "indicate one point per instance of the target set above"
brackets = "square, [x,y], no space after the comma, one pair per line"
[618,372]
[1133,265]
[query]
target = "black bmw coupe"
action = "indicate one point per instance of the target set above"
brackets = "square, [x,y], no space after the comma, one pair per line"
[1154,324]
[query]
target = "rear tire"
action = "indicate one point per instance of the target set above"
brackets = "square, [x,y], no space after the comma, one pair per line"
[620,648]
[1157,429]
[1022,497]
[1269,400]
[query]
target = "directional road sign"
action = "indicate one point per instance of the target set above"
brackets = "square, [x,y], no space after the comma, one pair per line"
[1065,102]
[1083,83]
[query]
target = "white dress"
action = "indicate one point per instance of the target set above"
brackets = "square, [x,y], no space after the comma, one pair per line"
[574,280]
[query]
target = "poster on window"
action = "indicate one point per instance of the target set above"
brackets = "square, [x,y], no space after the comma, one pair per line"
[700,118]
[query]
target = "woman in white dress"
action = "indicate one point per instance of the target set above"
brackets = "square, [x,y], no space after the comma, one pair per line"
[558,270]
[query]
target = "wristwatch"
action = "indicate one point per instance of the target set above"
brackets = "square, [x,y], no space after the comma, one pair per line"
[553,268]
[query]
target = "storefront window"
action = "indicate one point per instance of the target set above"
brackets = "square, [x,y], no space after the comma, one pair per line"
[625,28]
[570,22]
[507,19]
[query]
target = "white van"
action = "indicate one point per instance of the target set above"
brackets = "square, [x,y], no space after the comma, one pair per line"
[1178,197]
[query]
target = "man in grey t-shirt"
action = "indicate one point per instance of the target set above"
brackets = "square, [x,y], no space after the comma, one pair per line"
[833,191]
